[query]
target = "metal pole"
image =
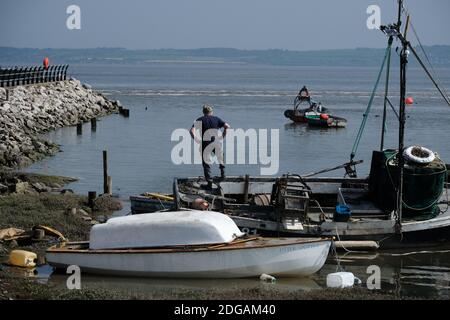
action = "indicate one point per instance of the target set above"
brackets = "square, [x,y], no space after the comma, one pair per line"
[399,17]
[386,91]
[401,136]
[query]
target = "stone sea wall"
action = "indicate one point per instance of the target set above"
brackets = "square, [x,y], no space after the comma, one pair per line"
[36,109]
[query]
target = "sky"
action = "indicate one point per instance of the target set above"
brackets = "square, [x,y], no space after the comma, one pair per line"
[242,24]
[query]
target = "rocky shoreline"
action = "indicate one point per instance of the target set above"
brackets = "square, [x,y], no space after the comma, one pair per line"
[35,109]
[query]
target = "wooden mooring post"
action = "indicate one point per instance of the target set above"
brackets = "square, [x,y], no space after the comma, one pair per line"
[246,186]
[93,124]
[92,195]
[79,129]
[109,186]
[105,171]
[124,112]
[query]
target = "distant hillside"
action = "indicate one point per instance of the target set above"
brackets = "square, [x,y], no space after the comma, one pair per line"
[439,56]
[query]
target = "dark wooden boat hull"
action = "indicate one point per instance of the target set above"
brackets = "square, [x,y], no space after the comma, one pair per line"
[141,204]
[415,239]
[368,222]
[298,117]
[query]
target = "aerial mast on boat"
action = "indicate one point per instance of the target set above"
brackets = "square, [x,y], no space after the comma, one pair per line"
[401,137]
[394,30]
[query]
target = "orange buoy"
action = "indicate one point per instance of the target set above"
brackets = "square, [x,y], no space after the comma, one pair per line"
[409,100]
[324,116]
[46,63]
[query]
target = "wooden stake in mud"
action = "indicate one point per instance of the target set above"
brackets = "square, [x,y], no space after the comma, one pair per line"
[246,185]
[105,171]
[93,124]
[109,187]
[91,198]
[79,129]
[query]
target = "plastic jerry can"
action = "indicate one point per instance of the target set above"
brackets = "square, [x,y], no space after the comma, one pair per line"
[22,258]
[340,280]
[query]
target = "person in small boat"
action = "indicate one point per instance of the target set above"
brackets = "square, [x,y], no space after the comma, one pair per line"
[319,108]
[209,126]
[303,95]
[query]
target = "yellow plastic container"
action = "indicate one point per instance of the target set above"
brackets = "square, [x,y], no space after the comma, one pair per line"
[22,258]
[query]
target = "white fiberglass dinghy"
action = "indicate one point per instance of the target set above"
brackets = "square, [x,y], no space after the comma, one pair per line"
[189,244]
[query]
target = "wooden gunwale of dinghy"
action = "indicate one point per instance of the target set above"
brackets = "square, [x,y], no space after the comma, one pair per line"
[77,247]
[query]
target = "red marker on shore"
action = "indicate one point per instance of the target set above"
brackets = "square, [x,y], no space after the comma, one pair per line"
[46,63]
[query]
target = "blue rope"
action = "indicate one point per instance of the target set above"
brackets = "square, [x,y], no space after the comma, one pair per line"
[369,106]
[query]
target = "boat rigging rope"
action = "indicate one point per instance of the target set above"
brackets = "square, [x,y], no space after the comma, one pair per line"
[336,256]
[386,98]
[436,82]
[414,252]
[369,106]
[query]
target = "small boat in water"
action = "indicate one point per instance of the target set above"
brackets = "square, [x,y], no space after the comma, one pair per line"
[314,115]
[187,244]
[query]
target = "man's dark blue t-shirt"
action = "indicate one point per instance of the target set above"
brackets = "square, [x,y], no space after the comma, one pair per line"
[210,122]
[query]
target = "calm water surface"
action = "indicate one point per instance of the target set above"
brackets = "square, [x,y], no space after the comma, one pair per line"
[163,97]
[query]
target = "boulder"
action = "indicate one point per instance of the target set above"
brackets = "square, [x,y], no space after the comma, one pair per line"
[21,187]
[83,213]
[40,187]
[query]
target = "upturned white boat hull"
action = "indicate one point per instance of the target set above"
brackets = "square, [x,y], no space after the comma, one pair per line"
[291,257]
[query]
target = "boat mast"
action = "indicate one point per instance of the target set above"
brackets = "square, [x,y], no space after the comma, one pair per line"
[386,92]
[401,137]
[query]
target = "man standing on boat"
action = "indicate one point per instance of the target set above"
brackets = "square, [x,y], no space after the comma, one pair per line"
[209,125]
[303,95]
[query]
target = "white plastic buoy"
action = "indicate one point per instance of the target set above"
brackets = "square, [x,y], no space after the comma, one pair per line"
[340,280]
[267,278]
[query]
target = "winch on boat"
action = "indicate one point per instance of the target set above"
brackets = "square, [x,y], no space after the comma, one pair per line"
[291,201]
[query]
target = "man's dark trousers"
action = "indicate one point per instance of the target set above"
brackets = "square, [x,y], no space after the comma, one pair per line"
[207,167]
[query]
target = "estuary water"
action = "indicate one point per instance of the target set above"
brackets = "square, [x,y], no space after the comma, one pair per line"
[163,97]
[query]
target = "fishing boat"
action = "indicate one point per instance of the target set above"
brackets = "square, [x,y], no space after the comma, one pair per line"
[315,115]
[300,115]
[346,208]
[187,244]
[403,202]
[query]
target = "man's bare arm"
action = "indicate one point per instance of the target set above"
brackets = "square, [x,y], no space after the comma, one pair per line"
[192,132]
[225,128]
